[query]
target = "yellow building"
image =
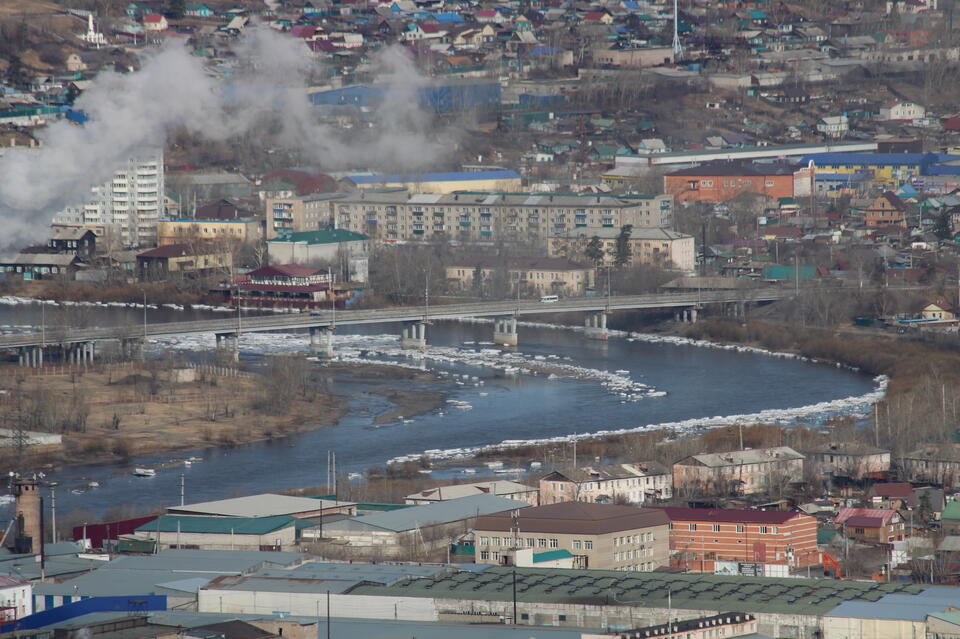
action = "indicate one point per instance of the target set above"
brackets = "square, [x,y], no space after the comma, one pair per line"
[885,167]
[652,246]
[537,276]
[180,230]
[188,259]
[442,183]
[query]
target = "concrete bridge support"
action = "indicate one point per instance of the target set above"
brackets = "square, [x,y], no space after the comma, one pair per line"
[30,357]
[595,325]
[414,336]
[229,343]
[131,349]
[505,331]
[321,341]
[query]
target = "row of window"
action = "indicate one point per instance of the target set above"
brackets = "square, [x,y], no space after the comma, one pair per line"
[640,538]
[763,530]
[627,555]
[532,542]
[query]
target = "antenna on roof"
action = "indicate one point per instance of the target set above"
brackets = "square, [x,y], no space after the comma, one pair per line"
[677,48]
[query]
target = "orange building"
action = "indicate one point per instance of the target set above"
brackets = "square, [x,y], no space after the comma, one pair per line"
[722,181]
[887,210]
[699,537]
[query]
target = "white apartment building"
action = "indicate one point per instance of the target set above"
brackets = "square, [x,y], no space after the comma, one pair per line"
[396,215]
[123,211]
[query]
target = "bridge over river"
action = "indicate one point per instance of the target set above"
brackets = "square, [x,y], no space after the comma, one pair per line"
[78,346]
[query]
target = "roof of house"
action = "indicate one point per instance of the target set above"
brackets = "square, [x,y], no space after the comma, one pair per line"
[284,270]
[576,518]
[69,232]
[551,555]
[847,448]
[171,250]
[495,487]
[951,511]
[865,521]
[738,457]
[884,514]
[42,259]
[153,17]
[453,176]
[256,506]
[334,236]
[636,234]
[894,490]
[430,514]
[219,525]
[728,515]
[723,168]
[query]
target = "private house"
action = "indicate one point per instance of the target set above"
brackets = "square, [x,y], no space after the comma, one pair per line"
[701,537]
[220,533]
[41,266]
[899,111]
[657,247]
[73,240]
[833,126]
[499,487]
[396,533]
[886,210]
[193,259]
[741,472]
[154,22]
[535,275]
[722,181]
[890,495]
[284,285]
[849,460]
[939,310]
[600,536]
[871,525]
[639,483]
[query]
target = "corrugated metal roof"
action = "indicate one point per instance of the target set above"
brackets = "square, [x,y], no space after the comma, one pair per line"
[452,176]
[430,514]
[265,505]
[219,525]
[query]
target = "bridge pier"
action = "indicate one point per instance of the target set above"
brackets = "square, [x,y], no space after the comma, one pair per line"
[413,336]
[321,341]
[595,325]
[229,343]
[505,331]
[30,357]
[130,349]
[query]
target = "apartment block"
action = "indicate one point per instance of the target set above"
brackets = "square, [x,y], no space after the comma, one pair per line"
[396,215]
[640,483]
[699,537]
[658,247]
[741,472]
[296,214]
[124,210]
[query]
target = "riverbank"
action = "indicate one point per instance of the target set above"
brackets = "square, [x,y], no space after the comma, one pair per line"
[113,413]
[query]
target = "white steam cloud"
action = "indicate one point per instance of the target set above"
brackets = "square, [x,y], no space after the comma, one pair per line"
[130,113]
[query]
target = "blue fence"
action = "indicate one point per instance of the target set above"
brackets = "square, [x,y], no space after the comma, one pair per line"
[145,603]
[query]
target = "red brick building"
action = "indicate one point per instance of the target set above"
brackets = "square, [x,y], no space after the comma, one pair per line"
[886,210]
[701,536]
[722,181]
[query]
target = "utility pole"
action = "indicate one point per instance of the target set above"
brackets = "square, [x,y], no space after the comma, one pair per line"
[182,484]
[144,314]
[53,511]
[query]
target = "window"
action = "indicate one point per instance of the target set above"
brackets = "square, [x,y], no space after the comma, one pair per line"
[496,556]
[496,541]
[739,528]
[541,543]
[716,528]
[554,543]
[763,530]
[693,527]
[563,617]
[576,544]
[524,616]
[484,541]
[588,545]
[530,542]
[484,554]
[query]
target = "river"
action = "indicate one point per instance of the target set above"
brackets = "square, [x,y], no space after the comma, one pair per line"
[556,384]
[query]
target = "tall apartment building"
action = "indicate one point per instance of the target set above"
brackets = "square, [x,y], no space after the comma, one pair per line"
[395,215]
[124,210]
[297,214]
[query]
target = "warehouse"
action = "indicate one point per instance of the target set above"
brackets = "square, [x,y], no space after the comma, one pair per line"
[450,96]
[266,505]
[220,533]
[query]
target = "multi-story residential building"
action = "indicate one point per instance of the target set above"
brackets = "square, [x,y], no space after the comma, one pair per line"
[499,487]
[937,464]
[640,483]
[296,214]
[123,211]
[852,460]
[178,230]
[394,215]
[535,275]
[900,111]
[699,537]
[653,246]
[738,472]
[722,181]
[600,536]
[871,525]
[484,180]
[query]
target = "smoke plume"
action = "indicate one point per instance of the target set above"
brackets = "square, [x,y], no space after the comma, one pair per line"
[130,114]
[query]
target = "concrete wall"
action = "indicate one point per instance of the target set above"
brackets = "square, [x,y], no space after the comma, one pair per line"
[225,541]
[854,628]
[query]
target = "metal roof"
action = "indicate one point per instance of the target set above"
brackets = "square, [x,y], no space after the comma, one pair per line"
[430,514]
[213,561]
[266,505]
[452,176]
[375,573]
[218,525]
[644,589]
[912,607]
[328,236]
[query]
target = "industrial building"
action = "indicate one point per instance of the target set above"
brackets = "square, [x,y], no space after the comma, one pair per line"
[397,215]
[266,505]
[338,246]
[497,180]
[220,533]
[597,535]
[447,96]
[499,487]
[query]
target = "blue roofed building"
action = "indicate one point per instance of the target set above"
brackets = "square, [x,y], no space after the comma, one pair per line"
[447,96]
[447,182]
